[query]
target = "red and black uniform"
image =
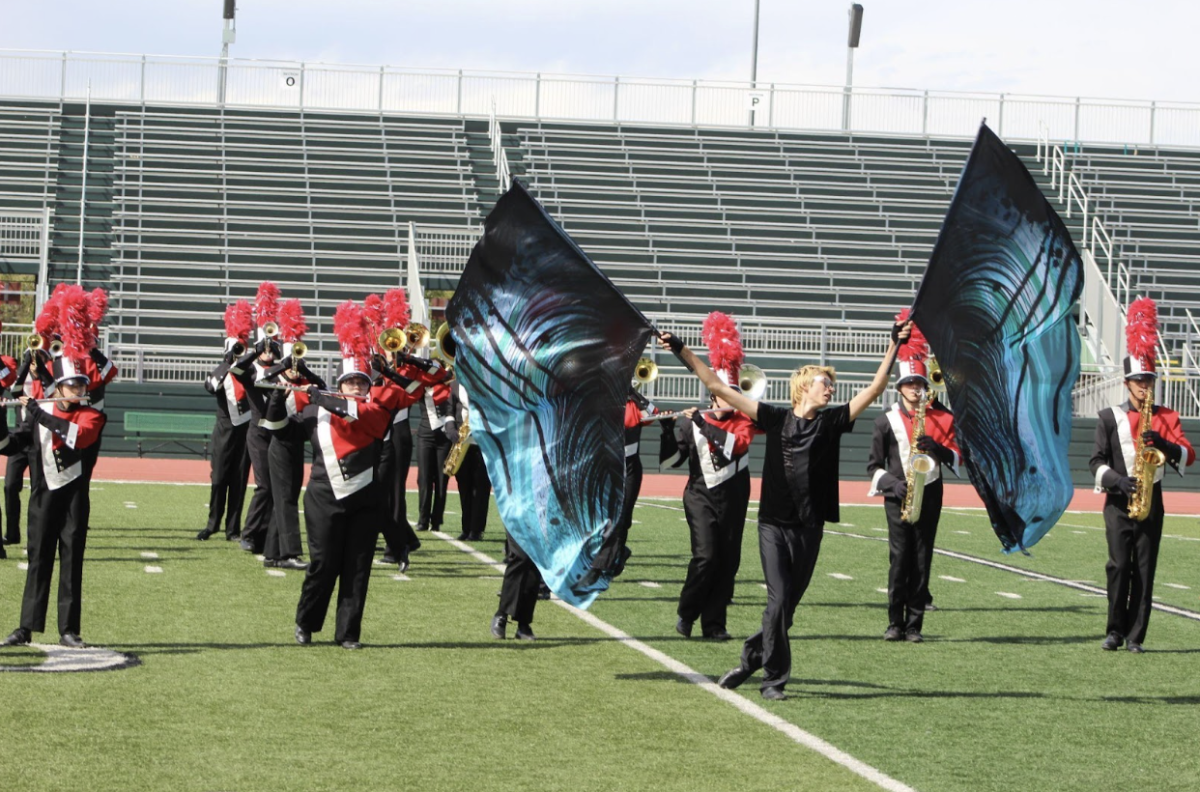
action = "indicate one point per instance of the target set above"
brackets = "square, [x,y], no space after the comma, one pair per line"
[247,370]
[56,442]
[343,505]
[100,372]
[230,462]
[285,465]
[474,486]
[614,552]
[18,461]
[428,373]
[715,501]
[436,433]
[1133,545]
[397,393]
[910,545]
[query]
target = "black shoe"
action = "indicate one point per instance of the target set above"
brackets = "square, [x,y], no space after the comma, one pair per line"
[1112,643]
[422,527]
[1135,647]
[303,636]
[464,536]
[72,640]
[499,622]
[437,528]
[525,633]
[718,635]
[18,637]
[246,545]
[543,591]
[295,562]
[402,561]
[913,636]
[893,633]
[10,540]
[684,628]
[734,677]
[475,537]
[271,563]
[203,535]
[774,694]
[350,645]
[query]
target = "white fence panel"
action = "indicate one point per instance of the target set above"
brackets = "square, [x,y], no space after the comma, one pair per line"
[181,81]
[513,95]
[1114,122]
[340,89]
[575,99]
[109,80]
[31,74]
[404,92]
[806,109]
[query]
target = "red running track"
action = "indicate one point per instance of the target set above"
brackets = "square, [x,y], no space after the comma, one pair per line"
[196,471]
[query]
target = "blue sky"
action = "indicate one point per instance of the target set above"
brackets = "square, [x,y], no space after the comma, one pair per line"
[1102,48]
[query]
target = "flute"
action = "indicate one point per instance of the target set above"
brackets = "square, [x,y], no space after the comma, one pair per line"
[304,389]
[17,402]
[664,416]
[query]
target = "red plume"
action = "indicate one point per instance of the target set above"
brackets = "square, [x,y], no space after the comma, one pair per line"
[266,303]
[239,320]
[350,326]
[916,347]
[373,311]
[1141,329]
[97,305]
[291,321]
[75,325]
[396,312]
[47,322]
[724,344]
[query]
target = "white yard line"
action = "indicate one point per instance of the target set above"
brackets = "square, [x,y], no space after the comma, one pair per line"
[743,704]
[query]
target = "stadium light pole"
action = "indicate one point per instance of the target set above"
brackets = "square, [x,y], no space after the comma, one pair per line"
[856,15]
[754,60]
[228,36]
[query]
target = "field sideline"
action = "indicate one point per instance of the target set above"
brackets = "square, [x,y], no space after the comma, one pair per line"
[1010,690]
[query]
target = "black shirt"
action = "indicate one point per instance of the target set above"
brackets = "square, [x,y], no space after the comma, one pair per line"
[800,473]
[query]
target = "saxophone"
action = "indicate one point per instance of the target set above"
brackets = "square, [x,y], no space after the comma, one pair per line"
[919,465]
[458,452]
[1146,462]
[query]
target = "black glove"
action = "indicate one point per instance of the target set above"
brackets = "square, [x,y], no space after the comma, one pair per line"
[896,328]
[927,445]
[32,407]
[451,430]
[314,393]
[1172,451]
[890,485]
[1126,485]
[673,342]
[698,419]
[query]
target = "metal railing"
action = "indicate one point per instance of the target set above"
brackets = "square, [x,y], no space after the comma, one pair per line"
[499,155]
[163,79]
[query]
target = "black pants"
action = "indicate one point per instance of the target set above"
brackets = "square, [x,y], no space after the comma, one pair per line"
[518,592]
[432,448]
[341,544]
[230,470]
[1132,561]
[716,519]
[910,556]
[402,451]
[258,518]
[611,556]
[397,533]
[474,492]
[58,522]
[789,556]
[285,457]
[14,480]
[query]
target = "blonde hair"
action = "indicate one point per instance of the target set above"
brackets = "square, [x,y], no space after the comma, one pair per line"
[802,380]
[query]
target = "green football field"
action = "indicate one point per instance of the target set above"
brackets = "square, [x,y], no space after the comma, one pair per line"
[1010,691]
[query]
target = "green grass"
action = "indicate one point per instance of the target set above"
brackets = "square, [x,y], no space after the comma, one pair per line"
[1004,694]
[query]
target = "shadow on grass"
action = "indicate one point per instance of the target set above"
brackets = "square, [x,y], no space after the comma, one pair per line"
[1186,700]
[319,643]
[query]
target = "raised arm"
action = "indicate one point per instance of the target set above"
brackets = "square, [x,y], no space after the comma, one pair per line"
[736,400]
[869,394]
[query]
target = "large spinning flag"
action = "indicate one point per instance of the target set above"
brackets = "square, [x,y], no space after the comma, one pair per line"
[546,347]
[995,305]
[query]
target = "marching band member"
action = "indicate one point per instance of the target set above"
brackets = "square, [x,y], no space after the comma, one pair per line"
[100,370]
[248,369]
[799,495]
[910,541]
[1119,465]
[474,486]
[343,504]
[518,593]
[717,494]
[230,464]
[56,438]
[436,435]
[396,393]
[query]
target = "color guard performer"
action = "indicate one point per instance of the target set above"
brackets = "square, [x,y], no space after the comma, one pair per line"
[230,463]
[8,376]
[911,530]
[56,437]
[799,495]
[1134,442]
[474,486]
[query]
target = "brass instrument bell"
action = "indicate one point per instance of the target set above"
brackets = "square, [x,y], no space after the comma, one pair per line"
[393,339]
[417,335]
[447,346]
[56,347]
[34,342]
[937,380]
[753,381]
[270,329]
[645,372]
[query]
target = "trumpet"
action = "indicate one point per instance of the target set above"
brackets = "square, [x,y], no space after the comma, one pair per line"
[393,339]
[34,342]
[238,349]
[645,372]
[416,334]
[56,347]
[937,380]
[447,346]
[270,329]
[17,402]
[299,350]
[284,387]
[753,382]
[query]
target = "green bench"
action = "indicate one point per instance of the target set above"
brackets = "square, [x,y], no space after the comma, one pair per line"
[172,428]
